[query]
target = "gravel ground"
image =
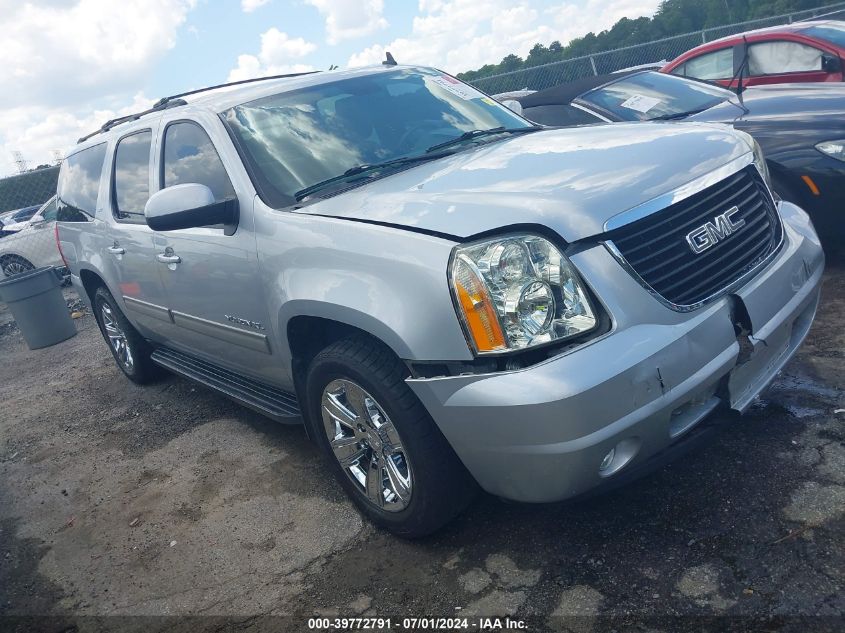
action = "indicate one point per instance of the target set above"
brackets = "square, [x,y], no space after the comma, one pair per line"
[117,500]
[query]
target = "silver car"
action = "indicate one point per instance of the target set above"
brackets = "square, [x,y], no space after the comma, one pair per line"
[448,296]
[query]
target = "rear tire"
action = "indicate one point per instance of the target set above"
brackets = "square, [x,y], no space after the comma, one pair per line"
[15,264]
[130,350]
[399,469]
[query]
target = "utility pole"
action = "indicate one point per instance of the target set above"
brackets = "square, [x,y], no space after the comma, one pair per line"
[20,161]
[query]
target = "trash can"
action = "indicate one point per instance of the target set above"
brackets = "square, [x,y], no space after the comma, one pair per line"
[35,300]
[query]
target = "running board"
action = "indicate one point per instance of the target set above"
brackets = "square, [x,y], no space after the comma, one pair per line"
[270,401]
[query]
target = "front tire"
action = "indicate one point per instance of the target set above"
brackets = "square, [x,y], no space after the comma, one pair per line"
[129,349]
[380,442]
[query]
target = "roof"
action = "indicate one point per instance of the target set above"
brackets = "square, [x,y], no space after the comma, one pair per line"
[565,93]
[219,99]
[795,27]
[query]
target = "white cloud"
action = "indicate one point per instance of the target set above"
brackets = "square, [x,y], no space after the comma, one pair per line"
[248,6]
[460,35]
[276,57]
[347,19]
[61,59]
[37,131]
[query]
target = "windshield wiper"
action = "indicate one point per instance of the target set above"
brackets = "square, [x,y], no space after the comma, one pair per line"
[678,115]
[466,136]
[366,168]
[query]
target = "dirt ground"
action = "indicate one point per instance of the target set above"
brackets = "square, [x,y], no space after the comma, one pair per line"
[117,500]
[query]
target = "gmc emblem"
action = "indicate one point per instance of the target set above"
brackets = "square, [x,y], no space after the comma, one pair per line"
[712,233]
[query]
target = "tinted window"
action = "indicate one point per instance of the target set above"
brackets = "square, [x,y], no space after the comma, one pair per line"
[559,115]
[296,139]
[79,184]
[49,212]
[189,156]
[25,213]
[772,58]
[132,176]
[828,33]
[716,65]
[649,95]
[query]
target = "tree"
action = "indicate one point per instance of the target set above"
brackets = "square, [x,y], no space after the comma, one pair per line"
[673,17]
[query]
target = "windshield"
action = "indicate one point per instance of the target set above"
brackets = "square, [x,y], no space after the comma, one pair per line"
[297,139]
[651,95]
[829,33]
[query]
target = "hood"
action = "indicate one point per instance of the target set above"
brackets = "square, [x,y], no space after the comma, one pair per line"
[800,103]
[570,180]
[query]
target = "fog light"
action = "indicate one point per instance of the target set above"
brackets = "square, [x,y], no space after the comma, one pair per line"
[608,460]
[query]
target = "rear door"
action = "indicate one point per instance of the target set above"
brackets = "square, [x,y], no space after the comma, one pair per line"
[212,279]
[129,247]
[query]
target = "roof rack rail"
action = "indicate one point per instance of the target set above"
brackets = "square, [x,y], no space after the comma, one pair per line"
[176,100]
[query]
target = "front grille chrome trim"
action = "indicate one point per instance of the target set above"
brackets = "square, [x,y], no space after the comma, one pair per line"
[737,283]
[678,195]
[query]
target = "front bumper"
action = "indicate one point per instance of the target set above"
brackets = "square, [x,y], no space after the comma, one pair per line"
[539,434]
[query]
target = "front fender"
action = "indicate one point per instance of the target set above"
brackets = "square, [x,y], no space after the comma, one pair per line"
[389,282]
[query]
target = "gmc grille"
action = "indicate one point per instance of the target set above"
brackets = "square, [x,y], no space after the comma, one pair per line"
[656,247]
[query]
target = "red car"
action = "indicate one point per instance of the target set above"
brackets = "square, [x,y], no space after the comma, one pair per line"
[804,51]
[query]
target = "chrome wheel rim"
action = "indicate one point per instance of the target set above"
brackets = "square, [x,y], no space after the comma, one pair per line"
[367,445]
[116,338]
[15,267]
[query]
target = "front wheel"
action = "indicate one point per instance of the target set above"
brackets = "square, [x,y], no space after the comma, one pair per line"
[380,442]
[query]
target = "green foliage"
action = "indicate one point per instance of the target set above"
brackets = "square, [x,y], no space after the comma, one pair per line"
[673,17]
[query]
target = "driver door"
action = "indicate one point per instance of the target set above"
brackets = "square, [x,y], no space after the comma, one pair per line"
[211,279]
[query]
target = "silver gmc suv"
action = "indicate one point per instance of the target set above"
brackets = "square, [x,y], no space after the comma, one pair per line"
[448,296]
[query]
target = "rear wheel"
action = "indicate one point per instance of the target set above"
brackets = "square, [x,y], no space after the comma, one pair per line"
[380,442]
[131,352]
[15,264]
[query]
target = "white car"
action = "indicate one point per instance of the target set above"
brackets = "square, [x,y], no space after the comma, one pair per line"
[33,244]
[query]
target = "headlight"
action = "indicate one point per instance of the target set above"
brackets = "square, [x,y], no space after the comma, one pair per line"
[516,292]
[834,149]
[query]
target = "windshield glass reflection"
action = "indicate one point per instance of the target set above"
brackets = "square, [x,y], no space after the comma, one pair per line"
[297,139]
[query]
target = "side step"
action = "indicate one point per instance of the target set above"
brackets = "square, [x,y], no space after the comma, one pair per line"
[270,401]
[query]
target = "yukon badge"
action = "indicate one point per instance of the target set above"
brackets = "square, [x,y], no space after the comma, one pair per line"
[253,324]
[711,233]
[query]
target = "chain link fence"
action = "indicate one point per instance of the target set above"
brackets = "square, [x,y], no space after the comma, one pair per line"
[27,238]
[554,73]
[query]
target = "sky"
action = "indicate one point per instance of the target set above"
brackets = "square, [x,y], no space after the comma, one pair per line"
[69,65]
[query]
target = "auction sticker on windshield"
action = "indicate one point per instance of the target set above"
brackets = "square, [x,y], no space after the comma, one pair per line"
[640,103]
[457,88]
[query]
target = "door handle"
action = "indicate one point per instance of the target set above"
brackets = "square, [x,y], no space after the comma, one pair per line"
[166,258]
[116,250]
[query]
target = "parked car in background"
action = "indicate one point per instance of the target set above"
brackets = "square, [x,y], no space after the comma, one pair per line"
[13,221]
[790,53]
[446,294]
[33,245]
[801,127]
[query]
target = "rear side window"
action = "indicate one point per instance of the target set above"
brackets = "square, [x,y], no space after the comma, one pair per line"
[132,176]
[190,157]
[79,184]
[774,58]
[49,212]
[716,65]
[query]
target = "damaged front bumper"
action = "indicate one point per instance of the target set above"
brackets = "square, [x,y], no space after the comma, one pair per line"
[561,427]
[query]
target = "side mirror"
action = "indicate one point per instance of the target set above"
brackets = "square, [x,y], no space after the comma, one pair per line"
[831,63]
[513,104]
[189,206]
